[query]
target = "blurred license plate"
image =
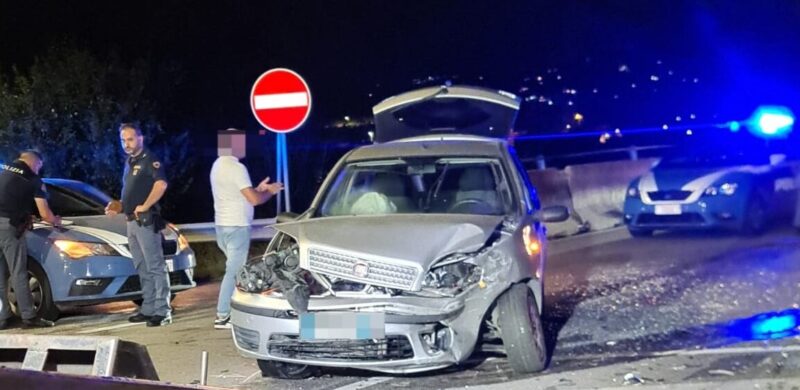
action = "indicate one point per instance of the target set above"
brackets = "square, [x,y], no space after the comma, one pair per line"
[342,325]
[668,209]
[170,265]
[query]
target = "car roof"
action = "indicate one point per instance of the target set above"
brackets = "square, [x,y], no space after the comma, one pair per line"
[451,145]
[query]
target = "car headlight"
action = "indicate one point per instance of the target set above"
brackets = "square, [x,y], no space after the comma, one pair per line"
[453,277]
[78,250]
[633,192]
[728,188]
[724,189]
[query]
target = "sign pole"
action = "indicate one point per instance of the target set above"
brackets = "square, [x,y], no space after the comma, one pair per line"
[285,176]
[278,163]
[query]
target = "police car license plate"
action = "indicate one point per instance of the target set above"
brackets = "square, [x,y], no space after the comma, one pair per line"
[170,265]
[668,209]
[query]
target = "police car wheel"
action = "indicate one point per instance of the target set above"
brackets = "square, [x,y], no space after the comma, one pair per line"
[755,220]
[41,292]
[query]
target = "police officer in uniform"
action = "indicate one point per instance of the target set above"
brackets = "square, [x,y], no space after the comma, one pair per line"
[20,188]
[143,185]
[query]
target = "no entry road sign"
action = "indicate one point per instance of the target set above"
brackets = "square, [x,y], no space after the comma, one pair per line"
[280,100]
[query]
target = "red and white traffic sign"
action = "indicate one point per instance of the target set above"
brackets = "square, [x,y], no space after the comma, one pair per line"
[280,100]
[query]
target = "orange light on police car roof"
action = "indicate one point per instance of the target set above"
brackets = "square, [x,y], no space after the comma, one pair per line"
[532,245]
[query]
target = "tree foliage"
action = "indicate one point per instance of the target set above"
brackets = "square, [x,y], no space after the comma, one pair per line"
[69,105]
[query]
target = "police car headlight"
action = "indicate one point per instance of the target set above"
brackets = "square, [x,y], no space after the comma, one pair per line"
[728,188]
[76,250]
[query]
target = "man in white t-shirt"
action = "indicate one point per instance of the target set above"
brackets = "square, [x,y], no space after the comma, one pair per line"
[234,199]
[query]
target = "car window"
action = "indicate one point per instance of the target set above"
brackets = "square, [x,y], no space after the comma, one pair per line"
[427,185]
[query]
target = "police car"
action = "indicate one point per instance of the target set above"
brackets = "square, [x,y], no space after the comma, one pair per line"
[88,261]
[735,191]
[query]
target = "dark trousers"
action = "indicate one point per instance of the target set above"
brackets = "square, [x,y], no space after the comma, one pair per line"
[148,258]
[14,262]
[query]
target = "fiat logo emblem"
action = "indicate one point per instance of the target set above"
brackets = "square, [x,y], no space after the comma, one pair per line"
[361,269]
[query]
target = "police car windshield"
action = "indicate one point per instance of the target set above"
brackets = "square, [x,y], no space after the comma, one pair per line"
[74,199]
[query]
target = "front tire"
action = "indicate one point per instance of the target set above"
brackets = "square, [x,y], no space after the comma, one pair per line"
[281,370]
[40,290]
[521,330]
[640,232]
[755,219]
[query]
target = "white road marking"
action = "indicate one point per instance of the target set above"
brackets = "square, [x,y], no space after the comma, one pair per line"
[280,100]
[112,327]
[364,384]
[253,375]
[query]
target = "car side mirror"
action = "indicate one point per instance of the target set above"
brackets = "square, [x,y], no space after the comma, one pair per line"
[286,217]
[552,214]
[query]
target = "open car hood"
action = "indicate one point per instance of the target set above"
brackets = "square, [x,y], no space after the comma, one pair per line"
[446,110]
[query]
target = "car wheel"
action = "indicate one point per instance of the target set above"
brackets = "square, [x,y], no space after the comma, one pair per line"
[755,219]
[640,232]
[521,330]
[139,301]
[281,370]
[41,292]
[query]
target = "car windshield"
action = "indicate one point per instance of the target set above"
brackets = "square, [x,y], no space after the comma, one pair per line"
[69,199]
[427,185]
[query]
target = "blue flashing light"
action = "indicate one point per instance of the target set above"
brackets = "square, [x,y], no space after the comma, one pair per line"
[766,326]
[772,122]
[780,323]
[735,126]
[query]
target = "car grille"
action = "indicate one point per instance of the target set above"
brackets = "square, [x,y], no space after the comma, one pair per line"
[669,195]
[246,338]
[687,218]
[391,348]
[379,274]
[133,284]
[169,247]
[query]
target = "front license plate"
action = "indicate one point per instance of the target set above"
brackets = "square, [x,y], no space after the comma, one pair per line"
[668,209]
[170,265]
[342,325]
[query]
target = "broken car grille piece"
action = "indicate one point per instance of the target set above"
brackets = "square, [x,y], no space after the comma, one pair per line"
[393,347]
[368,271]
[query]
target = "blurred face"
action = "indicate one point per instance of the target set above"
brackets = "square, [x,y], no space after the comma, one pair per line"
[232,145]
[131,143]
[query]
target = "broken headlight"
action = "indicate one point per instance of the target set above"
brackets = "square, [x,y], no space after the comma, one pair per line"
[454,276]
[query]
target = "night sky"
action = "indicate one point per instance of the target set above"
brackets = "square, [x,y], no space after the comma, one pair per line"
[630,63]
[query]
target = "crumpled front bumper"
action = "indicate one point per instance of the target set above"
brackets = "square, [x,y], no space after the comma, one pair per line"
[262,325]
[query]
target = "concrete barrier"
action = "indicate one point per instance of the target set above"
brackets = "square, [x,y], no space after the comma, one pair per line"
[598,190]
[552,187]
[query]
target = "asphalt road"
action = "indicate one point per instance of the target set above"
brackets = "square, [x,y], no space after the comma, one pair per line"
[676,308]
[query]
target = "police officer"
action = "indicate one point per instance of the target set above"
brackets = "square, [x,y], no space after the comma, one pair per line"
[20,188]
[143,185]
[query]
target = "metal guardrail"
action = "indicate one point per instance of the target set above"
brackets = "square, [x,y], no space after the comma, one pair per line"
[205,232]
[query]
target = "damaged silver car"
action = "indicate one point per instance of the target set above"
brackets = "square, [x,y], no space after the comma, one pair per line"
[416,252]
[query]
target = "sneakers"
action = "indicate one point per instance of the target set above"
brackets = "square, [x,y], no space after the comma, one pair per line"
[159,320]
[37,323]
[223,323]
[139,317]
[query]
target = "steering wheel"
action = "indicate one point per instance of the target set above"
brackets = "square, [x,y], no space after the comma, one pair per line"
[472,206]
